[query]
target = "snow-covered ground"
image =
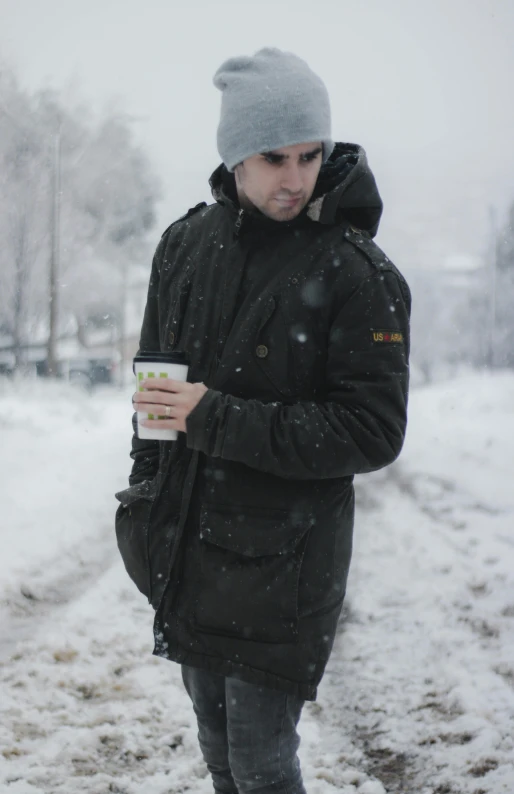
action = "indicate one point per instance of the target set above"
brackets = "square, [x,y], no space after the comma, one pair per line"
[419,692]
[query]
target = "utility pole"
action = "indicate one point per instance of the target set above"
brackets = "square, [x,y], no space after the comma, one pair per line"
[55,218]
[122,322]
[493,264]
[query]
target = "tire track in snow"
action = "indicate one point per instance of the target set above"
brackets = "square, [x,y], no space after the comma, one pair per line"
[24,611]
[420,667]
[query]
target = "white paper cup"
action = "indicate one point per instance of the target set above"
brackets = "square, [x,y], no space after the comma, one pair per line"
[158,365]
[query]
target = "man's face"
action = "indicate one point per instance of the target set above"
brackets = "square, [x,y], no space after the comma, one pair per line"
[279,183]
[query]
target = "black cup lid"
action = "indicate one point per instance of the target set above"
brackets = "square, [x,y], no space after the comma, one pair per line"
[159,356]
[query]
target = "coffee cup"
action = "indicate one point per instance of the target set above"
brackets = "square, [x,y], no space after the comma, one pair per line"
[151,364]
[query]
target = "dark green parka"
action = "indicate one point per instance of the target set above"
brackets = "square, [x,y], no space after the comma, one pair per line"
[240,532]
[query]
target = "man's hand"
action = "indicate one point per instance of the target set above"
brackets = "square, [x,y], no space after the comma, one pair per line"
[180,397]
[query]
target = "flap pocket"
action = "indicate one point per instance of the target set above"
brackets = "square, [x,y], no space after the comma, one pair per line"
[142,490]
[250,560]
[131,523]
[251,531]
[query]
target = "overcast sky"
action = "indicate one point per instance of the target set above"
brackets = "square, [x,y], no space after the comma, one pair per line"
[426,86]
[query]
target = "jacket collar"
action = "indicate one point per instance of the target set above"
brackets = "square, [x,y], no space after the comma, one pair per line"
[345,192]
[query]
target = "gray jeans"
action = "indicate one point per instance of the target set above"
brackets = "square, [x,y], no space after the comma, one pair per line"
[247,734]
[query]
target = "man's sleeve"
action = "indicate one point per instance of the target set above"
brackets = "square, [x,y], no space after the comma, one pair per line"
[145,453]
[361,425]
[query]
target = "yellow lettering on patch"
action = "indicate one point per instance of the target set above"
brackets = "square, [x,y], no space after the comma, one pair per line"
[388,336]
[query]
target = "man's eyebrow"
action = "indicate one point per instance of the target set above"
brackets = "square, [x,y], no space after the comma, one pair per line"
[278,156]
[317,150]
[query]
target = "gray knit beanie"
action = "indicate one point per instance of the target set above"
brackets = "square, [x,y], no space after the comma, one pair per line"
[270,100]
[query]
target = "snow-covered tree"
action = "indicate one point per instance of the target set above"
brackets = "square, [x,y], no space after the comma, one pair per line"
[101,205]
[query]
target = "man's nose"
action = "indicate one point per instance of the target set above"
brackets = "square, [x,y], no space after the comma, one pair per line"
[291,179]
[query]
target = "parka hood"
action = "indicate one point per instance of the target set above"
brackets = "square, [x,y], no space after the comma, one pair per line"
[345,191]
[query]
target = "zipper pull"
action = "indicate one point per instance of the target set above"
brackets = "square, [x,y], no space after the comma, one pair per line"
[239,221]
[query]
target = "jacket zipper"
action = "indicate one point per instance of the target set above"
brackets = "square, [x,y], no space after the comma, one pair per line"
[213,369]
[216,359]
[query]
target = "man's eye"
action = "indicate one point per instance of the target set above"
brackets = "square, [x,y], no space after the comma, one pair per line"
[273,159]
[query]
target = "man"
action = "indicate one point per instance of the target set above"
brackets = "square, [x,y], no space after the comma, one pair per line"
[297,329]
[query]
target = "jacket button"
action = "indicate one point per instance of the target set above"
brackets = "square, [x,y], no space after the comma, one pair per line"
[262,351]
[171,338]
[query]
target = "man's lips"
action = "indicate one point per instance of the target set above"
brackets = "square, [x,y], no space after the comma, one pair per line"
[288,202]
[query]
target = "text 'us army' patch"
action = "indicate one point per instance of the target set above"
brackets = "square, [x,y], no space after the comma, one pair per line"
[387,337]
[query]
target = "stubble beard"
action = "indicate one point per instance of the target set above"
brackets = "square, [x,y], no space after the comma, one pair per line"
[272,209]
[278,213]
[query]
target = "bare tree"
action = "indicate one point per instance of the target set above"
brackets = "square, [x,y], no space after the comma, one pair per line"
[504,336]
[77,197]
[22,191]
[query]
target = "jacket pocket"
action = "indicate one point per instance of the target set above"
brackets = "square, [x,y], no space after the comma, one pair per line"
[131,523]
[250,561]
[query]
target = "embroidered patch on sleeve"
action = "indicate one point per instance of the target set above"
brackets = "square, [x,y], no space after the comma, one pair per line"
[387,337]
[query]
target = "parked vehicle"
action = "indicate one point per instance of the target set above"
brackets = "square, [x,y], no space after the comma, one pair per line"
[92,371]
[86,368]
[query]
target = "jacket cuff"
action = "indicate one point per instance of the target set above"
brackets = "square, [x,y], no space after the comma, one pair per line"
[201,423]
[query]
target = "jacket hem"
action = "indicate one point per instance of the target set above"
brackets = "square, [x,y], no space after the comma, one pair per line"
[251,675]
